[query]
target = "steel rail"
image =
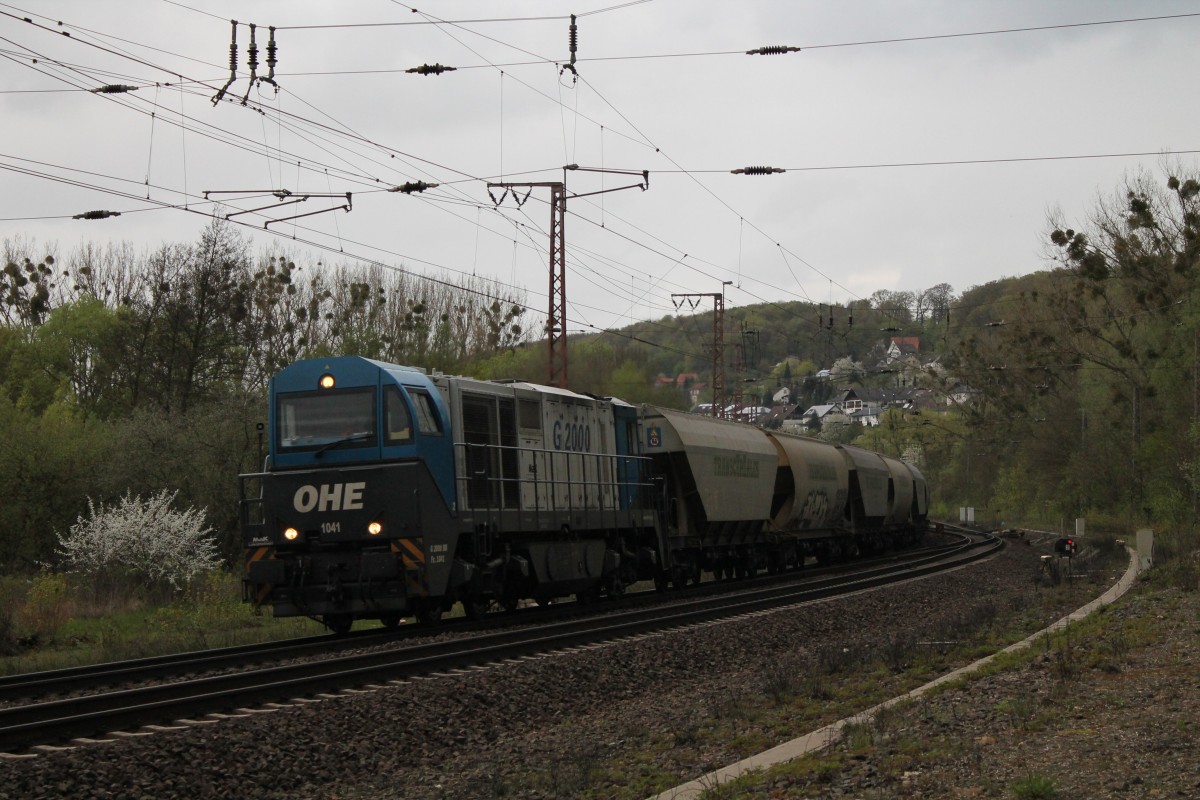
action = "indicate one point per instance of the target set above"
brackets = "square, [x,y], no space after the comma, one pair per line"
[22,688]
[175,665]
[25,727]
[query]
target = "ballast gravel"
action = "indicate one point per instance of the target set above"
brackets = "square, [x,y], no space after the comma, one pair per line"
[584,723]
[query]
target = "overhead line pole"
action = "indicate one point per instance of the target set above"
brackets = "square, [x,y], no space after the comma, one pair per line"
[556,321]
[718,346]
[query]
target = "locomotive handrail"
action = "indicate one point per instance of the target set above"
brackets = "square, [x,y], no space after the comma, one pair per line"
[537,482]
[250,508]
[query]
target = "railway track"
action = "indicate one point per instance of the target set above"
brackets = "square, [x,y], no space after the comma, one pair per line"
[72,680]
[62,683]
[29,725]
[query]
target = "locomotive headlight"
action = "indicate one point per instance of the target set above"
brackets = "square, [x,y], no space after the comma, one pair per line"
[327,381]
[291,534]
[375,528]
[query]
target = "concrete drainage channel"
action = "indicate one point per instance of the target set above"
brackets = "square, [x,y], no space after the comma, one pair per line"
[823,737]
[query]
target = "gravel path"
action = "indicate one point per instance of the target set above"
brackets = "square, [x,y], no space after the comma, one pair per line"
[632,718]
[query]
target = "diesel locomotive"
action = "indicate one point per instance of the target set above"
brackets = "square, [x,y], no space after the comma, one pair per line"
[390,493]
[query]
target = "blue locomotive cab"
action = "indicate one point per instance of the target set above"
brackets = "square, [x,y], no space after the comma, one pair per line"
[351,410]
[352,517]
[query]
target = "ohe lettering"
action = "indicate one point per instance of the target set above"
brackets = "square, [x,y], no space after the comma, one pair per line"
[329,497]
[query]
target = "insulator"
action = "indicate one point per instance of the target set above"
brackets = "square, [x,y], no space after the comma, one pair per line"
[232,65]
[413,186]
[430,69]
[573,45]
[233,48]
[272,59]
[252,52]
[773,50]
[97,215]
[113,88]
[756,170]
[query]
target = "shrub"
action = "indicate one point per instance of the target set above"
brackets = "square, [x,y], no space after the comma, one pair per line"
[9,595]
[1035,787]
[46,608]
[140,544]
[782,678]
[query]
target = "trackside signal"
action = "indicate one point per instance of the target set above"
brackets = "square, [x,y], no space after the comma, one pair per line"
[1066,547]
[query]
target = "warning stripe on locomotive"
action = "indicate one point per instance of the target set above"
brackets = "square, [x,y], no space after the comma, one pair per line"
[412,555]
[264,590]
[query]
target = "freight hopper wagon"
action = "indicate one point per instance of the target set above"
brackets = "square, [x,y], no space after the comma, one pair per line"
[389,493]
[738,499]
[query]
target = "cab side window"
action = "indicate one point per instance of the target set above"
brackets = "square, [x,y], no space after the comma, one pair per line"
[399,425]
[428,421]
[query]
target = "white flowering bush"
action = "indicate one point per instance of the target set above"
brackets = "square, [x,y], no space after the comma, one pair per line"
[142,543]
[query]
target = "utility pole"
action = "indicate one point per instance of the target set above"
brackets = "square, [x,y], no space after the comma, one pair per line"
[718,345]
[556,321]
[739,371]
[742,355]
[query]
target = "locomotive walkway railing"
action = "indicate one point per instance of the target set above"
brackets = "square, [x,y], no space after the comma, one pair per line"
[545,486]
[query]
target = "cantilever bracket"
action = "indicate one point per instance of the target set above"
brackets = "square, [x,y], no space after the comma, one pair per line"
[285,198]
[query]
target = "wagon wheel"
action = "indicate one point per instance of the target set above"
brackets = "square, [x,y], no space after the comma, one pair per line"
[340,624]
[661,581]
[476,608]
[616,587]
[679,577]
[391,620]
[428,613]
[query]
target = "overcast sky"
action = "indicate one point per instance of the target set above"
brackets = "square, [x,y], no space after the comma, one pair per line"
[662,86]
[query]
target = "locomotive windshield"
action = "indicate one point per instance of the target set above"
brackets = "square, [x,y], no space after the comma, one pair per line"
[309,420]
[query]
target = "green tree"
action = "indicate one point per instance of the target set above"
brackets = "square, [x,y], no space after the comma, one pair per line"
[1094,345]
[76,356]
[199,453]
[633,383]
[25,291]
[187,324]
[48,465]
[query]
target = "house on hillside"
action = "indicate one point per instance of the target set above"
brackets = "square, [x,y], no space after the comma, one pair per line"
[903,358]
[852,400]
[856,398]
[867,416]
[902,347]
[815,417]
[961,395]
[747,412]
